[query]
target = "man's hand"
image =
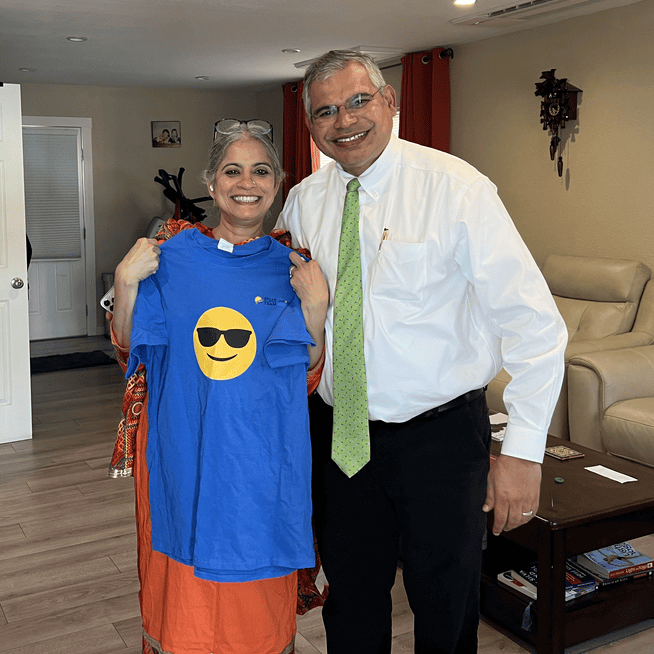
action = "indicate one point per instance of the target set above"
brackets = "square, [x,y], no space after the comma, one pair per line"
[513,490]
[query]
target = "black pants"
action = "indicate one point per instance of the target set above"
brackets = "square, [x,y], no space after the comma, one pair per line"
[425,483]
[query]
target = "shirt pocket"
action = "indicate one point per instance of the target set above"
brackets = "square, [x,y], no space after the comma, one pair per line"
[399,272]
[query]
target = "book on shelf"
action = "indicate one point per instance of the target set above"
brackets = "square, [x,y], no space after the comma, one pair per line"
[575,576]
[615,561]
[512,579]
[606,584]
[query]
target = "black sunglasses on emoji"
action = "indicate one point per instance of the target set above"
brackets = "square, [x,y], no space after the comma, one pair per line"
[236,338]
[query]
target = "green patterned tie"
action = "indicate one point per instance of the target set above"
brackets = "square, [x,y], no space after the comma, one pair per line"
[351,440]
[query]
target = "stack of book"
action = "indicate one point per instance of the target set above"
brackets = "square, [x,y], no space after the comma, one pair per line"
[616,564]
[578,582]
[585,573]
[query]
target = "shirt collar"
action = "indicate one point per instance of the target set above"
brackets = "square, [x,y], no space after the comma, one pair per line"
[374,178]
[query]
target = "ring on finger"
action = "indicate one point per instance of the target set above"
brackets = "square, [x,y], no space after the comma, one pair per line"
[529,513]
[291,270]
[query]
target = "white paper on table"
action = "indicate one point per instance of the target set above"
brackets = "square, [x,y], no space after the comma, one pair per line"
[611,474]
[498,435]
[498,418]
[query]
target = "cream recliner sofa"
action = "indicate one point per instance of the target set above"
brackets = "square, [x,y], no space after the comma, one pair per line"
[607,304]
[611,397]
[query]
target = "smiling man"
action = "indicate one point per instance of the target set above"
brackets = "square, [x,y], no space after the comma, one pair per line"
[447,294]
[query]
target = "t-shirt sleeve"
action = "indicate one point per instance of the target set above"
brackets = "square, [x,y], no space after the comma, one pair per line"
[149,328]
[287,344]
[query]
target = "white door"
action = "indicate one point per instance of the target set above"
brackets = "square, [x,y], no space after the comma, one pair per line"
[15,392]
[54,207]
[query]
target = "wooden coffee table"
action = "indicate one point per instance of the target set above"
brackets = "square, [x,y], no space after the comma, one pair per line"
[583,513]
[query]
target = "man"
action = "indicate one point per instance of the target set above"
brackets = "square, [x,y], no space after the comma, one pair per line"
[450,294]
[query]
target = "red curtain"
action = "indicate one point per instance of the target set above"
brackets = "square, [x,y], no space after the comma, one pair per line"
[425,99]
[297,140]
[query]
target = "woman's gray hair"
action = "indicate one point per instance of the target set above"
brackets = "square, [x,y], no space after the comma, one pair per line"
[224,141]
[331,62]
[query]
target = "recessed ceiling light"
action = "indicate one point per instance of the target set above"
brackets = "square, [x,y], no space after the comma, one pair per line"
[464,3]
[203,77]
[27,70]
[291,50]
[77,39]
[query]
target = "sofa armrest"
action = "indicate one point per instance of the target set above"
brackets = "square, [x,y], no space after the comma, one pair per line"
[622,374]
[616,342]
[600,379]
[584,412]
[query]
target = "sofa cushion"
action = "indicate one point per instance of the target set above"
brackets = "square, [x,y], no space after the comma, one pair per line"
[589,321]
[597,297]
[628,429]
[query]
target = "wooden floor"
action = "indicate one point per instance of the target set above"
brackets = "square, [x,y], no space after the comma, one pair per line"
[70,345]
[68,582]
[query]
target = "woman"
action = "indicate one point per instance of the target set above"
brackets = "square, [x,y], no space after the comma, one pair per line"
[221,460]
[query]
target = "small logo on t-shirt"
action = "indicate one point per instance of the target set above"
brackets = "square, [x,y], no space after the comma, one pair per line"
[270,301]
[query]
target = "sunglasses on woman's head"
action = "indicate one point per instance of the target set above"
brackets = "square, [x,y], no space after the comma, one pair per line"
[229,125]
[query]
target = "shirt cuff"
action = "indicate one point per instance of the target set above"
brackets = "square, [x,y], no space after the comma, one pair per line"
[524,443]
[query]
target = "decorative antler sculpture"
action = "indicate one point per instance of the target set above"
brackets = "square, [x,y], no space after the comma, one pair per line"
[185,209]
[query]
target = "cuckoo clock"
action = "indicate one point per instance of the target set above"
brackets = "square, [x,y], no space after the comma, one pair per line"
[559,104]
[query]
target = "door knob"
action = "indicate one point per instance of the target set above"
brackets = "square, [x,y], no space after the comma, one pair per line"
[17,282]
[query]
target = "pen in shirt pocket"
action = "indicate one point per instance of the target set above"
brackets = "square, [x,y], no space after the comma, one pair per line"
[384,237]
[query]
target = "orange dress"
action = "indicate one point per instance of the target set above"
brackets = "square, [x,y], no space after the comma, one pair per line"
[183,614]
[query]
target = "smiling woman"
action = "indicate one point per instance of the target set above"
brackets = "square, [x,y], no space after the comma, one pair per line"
[243,184]
[224,433]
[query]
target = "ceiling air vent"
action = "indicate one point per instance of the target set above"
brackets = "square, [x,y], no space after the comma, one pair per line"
[522,11]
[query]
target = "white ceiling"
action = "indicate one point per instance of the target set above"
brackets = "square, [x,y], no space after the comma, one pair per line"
[236,43]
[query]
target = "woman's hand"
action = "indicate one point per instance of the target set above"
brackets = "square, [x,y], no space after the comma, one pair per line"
[138,264]
[311,287]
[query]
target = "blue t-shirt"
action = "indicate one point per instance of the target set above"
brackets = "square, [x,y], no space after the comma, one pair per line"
[223,340]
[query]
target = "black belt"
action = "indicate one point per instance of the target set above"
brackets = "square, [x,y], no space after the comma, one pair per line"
[452,404]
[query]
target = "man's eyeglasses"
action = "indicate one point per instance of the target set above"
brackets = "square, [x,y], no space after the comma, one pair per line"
[353,106]
[236,338]
[229,125]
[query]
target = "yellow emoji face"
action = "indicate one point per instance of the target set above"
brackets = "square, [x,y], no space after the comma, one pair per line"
[225,343]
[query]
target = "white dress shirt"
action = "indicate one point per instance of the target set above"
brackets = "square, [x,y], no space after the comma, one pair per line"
[451,292]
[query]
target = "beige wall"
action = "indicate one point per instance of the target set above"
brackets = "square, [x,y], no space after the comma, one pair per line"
[604,203]
[270,107]
[124,162]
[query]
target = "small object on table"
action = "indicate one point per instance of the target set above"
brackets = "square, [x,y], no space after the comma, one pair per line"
[563,453]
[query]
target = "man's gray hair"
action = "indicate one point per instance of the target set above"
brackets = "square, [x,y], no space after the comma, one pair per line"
[333,61]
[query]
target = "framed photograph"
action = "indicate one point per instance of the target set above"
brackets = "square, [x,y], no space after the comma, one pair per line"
[166,134]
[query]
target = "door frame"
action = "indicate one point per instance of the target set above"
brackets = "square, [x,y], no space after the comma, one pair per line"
[85,125]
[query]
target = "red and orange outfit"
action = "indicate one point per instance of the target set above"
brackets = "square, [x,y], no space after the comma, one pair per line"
[181,613]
